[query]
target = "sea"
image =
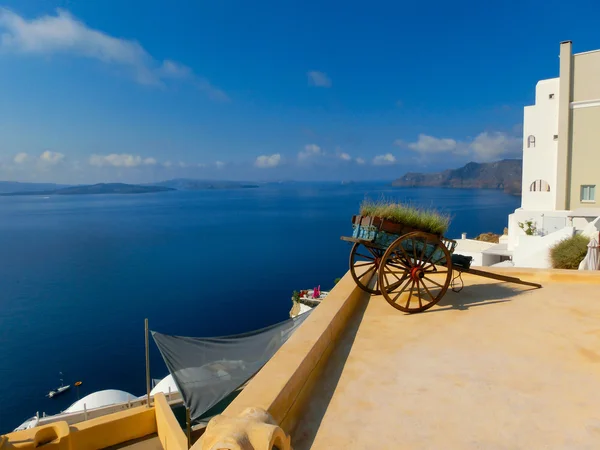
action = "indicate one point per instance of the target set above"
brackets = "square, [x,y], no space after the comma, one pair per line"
[79,274]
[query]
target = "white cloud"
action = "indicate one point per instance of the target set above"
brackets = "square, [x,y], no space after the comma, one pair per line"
[174,70]
[345,156]
[384,160]
[360,161]
[49,157]
[64,33]
[430,144]
[309,151]
[182,164]
[492,146]
[120,160]
[167,164]
[318,79]
[486,146]
[21,158]
[219,164]
[265,161]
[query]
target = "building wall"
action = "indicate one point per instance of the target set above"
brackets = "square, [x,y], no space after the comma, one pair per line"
[539,158]
[585,158]
[564,124]
[586,76]
[584,127]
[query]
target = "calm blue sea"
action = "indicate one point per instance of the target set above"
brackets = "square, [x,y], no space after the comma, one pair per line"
[78,274]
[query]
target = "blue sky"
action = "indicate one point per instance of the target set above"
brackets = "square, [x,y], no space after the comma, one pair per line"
[142,91]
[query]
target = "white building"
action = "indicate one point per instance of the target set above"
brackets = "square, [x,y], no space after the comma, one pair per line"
[561,163]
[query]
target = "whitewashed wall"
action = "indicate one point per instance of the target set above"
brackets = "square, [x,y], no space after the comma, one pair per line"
[534,251]
[539,162]
[546,222]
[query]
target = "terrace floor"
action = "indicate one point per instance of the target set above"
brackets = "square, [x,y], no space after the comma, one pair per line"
[496,366]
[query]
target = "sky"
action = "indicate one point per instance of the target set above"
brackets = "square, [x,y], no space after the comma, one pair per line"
[142,91]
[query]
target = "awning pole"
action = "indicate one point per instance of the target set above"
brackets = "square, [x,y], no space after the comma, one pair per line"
[147,364]
[189,426]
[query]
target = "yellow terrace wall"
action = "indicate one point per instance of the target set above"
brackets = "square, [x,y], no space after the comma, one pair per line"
[93,434]
[170,434]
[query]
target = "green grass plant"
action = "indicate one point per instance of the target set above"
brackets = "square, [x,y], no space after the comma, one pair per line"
[428,220]
[568,253]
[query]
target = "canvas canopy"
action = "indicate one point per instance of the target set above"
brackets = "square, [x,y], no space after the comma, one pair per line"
[206,370]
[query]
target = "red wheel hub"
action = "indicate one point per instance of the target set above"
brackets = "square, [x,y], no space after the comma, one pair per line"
[416,273]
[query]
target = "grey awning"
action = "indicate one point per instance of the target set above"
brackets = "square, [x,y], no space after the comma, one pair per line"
[206,370]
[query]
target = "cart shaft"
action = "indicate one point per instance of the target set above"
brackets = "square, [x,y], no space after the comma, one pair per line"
[496,276]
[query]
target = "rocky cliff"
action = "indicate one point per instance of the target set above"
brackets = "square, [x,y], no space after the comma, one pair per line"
[505,174]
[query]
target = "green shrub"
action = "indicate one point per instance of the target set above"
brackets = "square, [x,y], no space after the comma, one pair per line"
[428,220]
[568,253]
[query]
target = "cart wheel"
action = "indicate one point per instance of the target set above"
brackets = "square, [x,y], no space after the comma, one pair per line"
[366,261]
[419,267]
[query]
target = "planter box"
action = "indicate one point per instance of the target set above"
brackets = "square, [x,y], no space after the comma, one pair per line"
[383,232]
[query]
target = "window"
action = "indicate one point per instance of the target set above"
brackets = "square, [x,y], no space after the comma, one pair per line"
[551,96]
[556,137]
[588,193]
[530,141]
[539,186]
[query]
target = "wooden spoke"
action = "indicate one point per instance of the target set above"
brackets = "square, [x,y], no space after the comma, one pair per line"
[393,286]
[368,270]
[434,282]
[402,290]
[436,272]
[405,255]
[427,290]
[364,257]
[361,264]
[375,252]
[430,256]
[412,286]
[414,248]
[394,273]
[419,293]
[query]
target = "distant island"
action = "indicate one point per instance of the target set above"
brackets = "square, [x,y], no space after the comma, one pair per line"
[505,175]
[16,186]
[101,188]
[190,184]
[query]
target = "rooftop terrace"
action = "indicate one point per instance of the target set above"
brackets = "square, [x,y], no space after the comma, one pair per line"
[494,366]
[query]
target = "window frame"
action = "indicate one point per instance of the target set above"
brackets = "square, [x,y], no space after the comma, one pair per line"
[591,193]
[533,186]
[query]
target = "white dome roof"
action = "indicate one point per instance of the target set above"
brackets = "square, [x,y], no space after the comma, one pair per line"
[99,399]
[164,385]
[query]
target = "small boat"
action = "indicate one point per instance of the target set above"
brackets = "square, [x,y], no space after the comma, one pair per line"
[59,390]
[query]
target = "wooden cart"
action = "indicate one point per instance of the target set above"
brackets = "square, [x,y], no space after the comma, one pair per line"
[412,269]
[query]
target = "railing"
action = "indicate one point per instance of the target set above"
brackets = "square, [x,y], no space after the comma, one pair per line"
[173,399]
